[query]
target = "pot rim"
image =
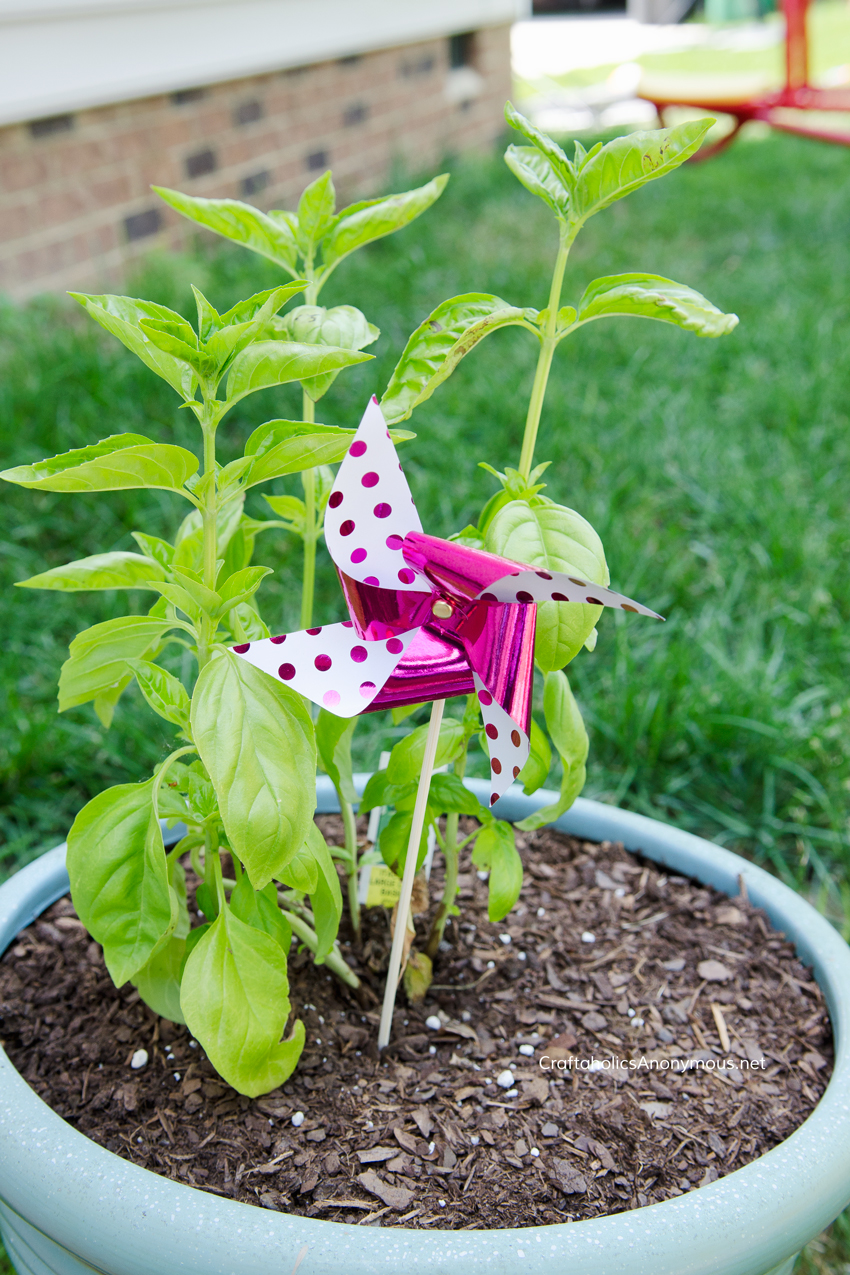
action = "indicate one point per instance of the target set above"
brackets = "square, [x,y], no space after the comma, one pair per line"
[113,1213]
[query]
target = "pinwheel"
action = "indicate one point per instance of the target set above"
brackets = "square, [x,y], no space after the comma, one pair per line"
[428,618]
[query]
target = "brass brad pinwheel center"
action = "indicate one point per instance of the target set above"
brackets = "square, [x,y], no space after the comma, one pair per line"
[442,608]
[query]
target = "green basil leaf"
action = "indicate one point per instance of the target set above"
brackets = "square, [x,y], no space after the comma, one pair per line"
[253,626]
[290,509]
[261,306]
[116,570]
[302,870]
[158,982]
[164,336]
[437,346]
[110,465]
[626,163]
[105,701]
[408,755]
[163,692]
[565,725]
[98,656]
[403,711]
[325,896]
[233,336]
[235,999]
[256,740]
[177,881]
[260,909]
[395,839]
[206,902]
[119,877]
[193,938]
[315,212]
[372,219]
[561,166]
[375,792]
[534,772]
[155,548]
[122,317]
[240,222]
[268,363]
[448,795]
[649,296]
[553,538]
[289,447]
[495,848]
[344,327]
[241,586]
[538,175]
[333,741]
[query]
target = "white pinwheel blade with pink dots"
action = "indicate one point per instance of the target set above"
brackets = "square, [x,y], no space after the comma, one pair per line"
[370,510]
[330,665]
[507,744]
[555,586]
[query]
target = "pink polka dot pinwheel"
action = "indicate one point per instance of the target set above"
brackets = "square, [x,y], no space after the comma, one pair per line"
[428,618]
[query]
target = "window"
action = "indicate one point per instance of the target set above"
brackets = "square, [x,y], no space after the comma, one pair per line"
[248,112]
[461,49]
[355,114]
[184,96]
[200,164]
[256,182]
[53,124]
[142,224]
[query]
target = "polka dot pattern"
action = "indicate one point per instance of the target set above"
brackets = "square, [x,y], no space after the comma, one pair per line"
[507,744]
[370,510]
[331,665]
[544,586]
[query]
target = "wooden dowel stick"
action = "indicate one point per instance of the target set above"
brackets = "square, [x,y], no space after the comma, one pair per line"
[410,871]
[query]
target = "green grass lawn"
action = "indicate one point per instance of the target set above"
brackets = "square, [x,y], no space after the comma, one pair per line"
[715,471]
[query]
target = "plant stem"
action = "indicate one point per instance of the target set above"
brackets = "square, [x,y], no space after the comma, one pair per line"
[212,868]
[334,959]
[351,846]
[548,343]
[308,479]
[450,853]
[209,513]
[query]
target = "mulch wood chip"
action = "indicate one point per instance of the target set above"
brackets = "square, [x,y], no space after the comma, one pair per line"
[605,957]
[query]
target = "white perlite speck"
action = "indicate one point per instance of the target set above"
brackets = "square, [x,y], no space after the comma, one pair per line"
[298,1119]
[528,1050]
[505,1079]
[139,1059]
[433,1022]
[587,937]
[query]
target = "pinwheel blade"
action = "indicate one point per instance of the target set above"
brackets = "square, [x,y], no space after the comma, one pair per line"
[507,744]
[556,586]
[330,665]
[370,510]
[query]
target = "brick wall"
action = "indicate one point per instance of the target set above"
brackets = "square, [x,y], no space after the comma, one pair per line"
[75,203]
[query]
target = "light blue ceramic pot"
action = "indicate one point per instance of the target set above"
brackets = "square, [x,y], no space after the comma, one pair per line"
[68,1206]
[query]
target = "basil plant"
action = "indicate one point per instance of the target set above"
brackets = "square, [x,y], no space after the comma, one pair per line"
[242,774]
